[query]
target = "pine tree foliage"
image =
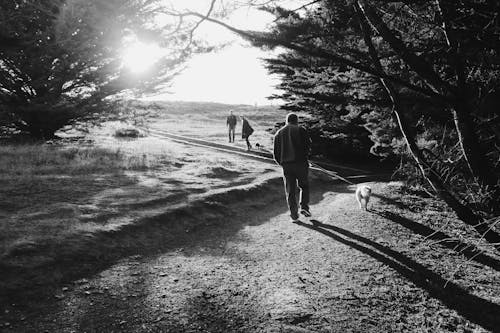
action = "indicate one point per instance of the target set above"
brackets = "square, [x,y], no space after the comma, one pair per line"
[61,60]
[423,76]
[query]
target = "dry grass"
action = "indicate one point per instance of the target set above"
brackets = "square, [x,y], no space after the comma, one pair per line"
[49,193]
[54,197]
[30,160]
[46,189]
[208,120]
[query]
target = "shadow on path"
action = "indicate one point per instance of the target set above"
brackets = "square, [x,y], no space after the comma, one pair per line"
[201,223]
[474,308]
[390,201]
[82,256]
[468,250]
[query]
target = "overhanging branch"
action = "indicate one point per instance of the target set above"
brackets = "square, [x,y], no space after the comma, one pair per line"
[316,52]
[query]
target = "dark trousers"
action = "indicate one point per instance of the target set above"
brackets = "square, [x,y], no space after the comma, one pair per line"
[296,174]
[249,146]
[231,133]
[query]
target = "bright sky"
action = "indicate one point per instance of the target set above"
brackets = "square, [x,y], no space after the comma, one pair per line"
[233,75]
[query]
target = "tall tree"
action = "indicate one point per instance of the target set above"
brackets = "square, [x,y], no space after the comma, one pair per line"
[332,97]
[64,58]
[435,62]
[416,54]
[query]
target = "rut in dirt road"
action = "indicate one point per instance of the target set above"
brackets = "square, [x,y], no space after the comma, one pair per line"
[345,270]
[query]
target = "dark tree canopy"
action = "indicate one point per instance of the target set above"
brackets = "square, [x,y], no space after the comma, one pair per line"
[61,61]
[422,75]
[331,67]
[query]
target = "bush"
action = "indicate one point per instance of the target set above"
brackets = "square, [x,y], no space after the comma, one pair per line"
[128,133]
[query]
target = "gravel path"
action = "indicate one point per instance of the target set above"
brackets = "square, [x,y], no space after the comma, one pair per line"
[344,271]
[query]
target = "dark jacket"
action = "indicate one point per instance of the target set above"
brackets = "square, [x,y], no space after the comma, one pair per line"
[246,129]
[291,145]
[231,121]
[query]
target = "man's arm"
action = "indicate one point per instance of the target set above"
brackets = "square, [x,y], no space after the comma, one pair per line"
[277,148]
[306,142]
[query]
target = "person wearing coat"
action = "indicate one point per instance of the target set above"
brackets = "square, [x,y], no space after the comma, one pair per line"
[246,131]
[231,124]
[292,146]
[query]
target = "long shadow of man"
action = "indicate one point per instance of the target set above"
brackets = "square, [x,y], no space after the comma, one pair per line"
[474,308]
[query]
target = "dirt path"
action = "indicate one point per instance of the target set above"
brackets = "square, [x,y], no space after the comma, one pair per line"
[255,271]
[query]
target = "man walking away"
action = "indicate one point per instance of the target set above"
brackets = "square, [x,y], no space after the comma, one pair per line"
[231,124]
[291,150]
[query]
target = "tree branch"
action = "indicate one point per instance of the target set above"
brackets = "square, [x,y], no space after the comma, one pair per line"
[306,5]
[465,213]
[416,63]
[321,53]
[203,18]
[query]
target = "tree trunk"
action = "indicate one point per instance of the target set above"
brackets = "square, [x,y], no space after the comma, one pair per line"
[415,62]
[463,212]
[41,134]
[42,122]
[477,162]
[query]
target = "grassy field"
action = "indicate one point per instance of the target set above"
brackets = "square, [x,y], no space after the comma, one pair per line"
[45,190]
[208,120]
[50,193]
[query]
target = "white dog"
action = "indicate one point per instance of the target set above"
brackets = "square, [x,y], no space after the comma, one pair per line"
[363,193]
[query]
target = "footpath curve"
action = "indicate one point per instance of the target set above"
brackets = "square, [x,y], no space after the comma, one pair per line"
[340,172]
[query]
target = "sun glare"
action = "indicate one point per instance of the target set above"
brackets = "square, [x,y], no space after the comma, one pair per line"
[139,57]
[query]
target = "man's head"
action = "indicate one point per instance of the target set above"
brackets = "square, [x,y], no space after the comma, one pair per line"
[231,112]
[292,118]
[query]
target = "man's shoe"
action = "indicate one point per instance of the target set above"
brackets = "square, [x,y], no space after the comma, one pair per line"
[295,220]
[305,212]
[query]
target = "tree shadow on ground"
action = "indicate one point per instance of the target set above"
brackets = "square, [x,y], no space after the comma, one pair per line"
[202,310]
[474,308]
[468,250]
[205,309]
[390,201]
[212,313]
[201,224]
